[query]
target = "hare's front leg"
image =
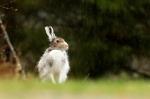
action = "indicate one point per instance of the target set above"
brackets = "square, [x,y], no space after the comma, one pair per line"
[52,78]
[62,77]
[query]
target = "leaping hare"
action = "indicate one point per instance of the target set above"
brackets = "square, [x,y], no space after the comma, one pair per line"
[54,64]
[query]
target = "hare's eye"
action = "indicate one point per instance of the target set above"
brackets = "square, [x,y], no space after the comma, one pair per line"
[57,41]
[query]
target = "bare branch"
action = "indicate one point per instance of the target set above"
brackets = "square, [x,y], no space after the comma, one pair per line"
[13,9]
[3,6]
[19,66]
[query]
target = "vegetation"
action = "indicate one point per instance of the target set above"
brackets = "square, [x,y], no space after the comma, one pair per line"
[104,35]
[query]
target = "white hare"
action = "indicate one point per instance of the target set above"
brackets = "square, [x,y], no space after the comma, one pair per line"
[54,64]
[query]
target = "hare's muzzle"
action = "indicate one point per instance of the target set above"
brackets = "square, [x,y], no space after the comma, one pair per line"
[66,45]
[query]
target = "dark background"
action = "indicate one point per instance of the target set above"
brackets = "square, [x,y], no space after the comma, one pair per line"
[106,37]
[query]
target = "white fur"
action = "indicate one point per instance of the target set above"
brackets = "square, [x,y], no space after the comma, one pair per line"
[54,66]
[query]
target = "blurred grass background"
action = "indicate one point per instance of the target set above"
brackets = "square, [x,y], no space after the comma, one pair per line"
[96,89]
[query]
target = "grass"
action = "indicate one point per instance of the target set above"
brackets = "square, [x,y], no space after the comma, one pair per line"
[10,89]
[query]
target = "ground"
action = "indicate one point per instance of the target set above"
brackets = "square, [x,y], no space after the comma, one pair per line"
[75,89]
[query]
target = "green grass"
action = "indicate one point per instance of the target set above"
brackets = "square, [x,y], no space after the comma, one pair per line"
[106,87]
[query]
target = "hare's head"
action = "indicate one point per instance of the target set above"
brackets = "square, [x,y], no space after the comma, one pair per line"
[56,42]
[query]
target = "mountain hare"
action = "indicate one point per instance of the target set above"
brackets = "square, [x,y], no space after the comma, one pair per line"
[54,64]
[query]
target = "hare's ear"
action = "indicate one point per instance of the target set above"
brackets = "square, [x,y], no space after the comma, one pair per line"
[50,33]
